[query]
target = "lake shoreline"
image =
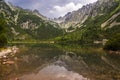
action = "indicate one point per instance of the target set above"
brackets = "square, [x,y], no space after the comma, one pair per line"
[9,51]
[31,42]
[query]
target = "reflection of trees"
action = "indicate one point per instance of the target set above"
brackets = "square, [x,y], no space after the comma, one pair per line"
[93,65]
[90,62]
[5,70]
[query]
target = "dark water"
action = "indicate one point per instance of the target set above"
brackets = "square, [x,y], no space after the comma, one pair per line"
[55,62]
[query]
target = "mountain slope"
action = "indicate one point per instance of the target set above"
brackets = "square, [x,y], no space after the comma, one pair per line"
[80,16]
[25,24]
[102,23]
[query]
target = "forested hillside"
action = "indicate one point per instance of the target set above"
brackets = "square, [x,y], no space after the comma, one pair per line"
[27,25]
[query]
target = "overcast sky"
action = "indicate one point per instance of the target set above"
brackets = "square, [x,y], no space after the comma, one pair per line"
[51,8]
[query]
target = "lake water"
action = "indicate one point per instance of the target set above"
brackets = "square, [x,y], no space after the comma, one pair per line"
[58,62]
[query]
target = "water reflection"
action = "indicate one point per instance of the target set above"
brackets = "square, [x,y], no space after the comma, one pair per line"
[48,62]
[53,72]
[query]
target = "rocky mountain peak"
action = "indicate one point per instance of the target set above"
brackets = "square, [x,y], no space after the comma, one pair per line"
[81,15]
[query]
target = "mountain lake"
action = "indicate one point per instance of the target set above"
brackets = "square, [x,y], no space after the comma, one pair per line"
[60,62]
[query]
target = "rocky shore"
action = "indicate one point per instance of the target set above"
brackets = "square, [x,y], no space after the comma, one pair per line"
[7,53]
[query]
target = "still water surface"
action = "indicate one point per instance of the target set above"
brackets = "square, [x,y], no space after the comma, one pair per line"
[55,62]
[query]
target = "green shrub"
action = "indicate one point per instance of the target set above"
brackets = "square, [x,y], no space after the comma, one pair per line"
[113,43]
[3,39]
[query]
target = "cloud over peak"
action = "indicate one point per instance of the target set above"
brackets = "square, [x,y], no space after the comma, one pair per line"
[62,10]
[51,8]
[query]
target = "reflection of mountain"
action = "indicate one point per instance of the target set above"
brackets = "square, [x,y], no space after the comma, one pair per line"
[92,64]
[33,57]
[54,72]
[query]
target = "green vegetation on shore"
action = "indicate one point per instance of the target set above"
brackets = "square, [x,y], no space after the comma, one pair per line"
[3,38]
[113,43]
